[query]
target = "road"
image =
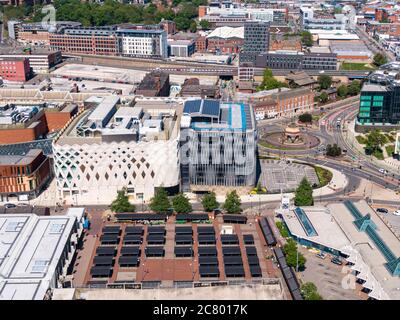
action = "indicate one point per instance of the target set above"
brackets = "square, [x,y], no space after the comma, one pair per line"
[330,133]
[372,44]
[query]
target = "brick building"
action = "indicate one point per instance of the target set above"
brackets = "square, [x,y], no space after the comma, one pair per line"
[392,29]
[168,26]
[292,43]
[23,175]
[201,44]
[154,84]
[17,69]
[45,121]
[225,40]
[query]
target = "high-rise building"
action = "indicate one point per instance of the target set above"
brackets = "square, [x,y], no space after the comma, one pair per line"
[379,107]
[218,145]
[256,40]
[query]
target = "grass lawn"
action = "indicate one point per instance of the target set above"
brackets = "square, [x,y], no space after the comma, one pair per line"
[324,176]
[390,149]
[390,137]
[361,139]
[356,66]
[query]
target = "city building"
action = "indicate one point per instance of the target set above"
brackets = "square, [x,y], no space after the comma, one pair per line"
[316,19]
[23,122]
[168,26]
[379,107]
[218,145]
[256,40]
[284,59]
[246,72]
[301,80]
[235,14]
[192,88]
[287,103]
[355,232]
[181,48]
[291,43]
[154,84]
[36,252]
[85,40]
[23,176]
[225,40]
[201,44]
[17,69]
[114,146]
[143,43]
[375,27]
[37,33]
[350,50]
[40,60]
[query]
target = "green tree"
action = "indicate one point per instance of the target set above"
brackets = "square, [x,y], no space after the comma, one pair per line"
[379,59]
[209,202]
[205,24]
[269,82]
[323,97]
[333,150]
[354,88]
[324,81]
[181,204]
[342,91]
[293,257]
[375,140]
[160,202]
[305,118]
[193,27]
[304,194]
[232,202]
[121,203]
[306,38]
[309,291]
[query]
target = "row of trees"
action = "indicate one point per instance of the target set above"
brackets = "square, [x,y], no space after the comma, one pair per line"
[180,203]
[113,12]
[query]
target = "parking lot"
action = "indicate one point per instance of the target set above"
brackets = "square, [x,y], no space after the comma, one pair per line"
[334,282]
[279,175]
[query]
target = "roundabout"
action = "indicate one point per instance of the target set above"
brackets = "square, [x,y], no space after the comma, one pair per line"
[291,138]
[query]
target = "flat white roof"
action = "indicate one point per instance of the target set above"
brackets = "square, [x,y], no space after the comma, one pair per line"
[30,249]
[104,108]
[329,233]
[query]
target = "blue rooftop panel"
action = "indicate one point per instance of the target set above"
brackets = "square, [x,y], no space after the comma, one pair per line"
[211,107]
[305,222]
[192,106]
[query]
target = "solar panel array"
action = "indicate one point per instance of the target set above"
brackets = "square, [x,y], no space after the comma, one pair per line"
[103,262]
[183,241]
[155,241]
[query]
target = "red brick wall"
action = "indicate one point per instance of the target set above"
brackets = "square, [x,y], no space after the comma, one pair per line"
[56,120]
[14,70]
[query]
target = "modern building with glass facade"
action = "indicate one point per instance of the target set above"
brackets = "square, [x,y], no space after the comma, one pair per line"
[218,145]
[379,107]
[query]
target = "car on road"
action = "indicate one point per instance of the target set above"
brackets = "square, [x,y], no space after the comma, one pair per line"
[322,71]
[321,255]
[382,171]
[396,213]
[9,205]
[382,210]
[337,260]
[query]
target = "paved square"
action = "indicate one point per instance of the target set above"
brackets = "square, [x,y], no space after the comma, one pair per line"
[279,175]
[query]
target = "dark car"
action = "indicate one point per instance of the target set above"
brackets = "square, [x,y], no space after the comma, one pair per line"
[382,210]
[337,261]
[9,205]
